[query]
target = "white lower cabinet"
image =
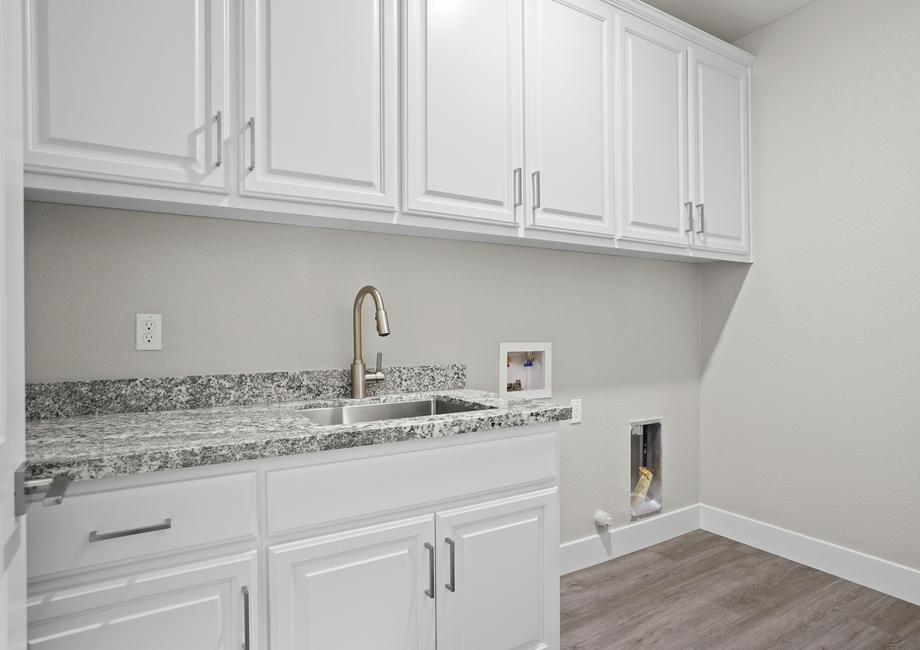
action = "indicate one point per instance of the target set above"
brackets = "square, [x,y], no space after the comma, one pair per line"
[201,606]
[392,547]
[498,585]
[363,588]
[485,576]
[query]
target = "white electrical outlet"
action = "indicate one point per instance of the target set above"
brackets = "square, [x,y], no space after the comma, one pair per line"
[576,411]
[149,332]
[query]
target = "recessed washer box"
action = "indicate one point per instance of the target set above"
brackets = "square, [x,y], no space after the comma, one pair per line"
[525,370]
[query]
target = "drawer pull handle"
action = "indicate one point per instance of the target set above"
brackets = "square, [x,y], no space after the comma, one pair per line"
[245,618]
[452,584]
[430,591]
[99,537]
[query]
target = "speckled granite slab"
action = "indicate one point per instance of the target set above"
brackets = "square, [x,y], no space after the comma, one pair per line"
[65,399]
[102,446]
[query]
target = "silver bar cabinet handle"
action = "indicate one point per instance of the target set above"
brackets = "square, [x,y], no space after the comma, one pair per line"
[245,618]
[537,191]
[518,187]
[701,208]
[689,206]
[219,118]
[430,591]
[99,537]
[252,144]
[452,583]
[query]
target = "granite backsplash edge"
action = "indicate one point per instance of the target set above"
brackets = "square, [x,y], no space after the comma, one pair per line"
[107,396]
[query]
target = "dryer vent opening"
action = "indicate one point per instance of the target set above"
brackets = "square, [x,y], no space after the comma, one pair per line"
[645,485]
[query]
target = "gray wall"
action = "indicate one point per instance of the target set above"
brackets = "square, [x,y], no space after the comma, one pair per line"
[239,296]
[811,376]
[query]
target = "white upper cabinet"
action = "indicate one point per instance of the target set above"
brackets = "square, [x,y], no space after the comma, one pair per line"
[655,169]
[464,123]
[127,90]
[585,123]
[320,101]
[498,578]
[719,126]
[364,588]
[569,51]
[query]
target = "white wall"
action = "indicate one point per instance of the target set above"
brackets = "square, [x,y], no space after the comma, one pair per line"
[241,296]
[810,414]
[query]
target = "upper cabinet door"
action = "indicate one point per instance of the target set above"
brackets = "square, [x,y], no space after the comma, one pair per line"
[655,171]
[320,94]
[464,124]
[363,588]
[570,52]
[498,574]
[127,90]
[720,137]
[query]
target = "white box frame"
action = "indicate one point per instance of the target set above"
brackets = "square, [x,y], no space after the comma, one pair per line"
[504,349]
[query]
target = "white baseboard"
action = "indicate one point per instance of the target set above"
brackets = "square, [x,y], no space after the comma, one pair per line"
[870,571]
[606,545]
[867,570]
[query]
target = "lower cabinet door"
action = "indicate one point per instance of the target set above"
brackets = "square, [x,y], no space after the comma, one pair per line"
[365,588]
[498,574]
[198,606]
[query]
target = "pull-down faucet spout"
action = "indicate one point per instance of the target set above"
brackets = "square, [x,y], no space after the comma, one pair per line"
[359,374]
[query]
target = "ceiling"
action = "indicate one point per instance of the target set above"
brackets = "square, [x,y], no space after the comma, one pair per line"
[728,19]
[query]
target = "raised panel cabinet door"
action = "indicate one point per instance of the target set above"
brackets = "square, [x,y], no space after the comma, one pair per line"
[498,574]
[363,588]
[720,137]
[320,87]
[198,606]
[128,90]
[569,54]
[464,122]
[656,190]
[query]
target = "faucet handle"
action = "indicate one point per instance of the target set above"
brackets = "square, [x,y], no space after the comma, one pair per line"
[376,374]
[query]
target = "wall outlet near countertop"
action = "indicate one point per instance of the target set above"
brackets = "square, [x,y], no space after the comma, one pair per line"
[576,411]
[149,334]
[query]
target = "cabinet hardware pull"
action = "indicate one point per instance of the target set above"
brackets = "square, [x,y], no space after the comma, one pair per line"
[252,144]
[701,208]
[430,591]
[99,537]
[518,187]
[689,206]
[220,138]
[537,191]
[452,584]
[245,618]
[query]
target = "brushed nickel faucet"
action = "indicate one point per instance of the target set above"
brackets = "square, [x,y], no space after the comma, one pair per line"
[359,374]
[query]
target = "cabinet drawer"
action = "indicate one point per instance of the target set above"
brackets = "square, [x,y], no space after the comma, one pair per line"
[138,522]
[331,492]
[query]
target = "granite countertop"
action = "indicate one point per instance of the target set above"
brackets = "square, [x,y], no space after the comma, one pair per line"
[117,444]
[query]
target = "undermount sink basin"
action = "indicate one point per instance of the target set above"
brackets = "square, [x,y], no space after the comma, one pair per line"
[388,411]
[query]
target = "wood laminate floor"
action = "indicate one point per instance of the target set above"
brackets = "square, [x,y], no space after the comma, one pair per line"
[705,591]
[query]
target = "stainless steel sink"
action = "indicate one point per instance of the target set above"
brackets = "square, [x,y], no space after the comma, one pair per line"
[389,411]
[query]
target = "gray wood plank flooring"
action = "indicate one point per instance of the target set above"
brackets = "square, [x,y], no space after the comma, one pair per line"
[705,591]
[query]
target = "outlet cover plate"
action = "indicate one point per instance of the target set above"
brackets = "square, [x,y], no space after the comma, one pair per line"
[149,334]
[576,411]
